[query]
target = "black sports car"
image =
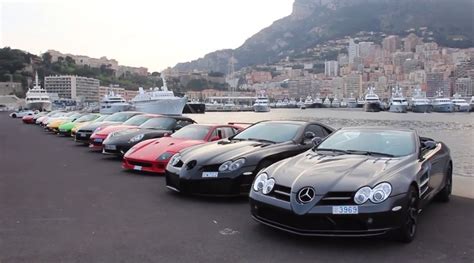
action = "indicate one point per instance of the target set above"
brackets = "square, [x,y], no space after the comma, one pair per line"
[120,142]
[356,182]
[228,167]
[84,133]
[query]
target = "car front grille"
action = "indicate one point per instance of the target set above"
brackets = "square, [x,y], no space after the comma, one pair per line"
[137,163]
[337,198]
[281,192]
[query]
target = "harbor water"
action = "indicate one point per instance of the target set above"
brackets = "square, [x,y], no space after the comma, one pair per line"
[454,129]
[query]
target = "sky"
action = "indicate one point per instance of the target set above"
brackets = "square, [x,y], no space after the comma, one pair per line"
[154,34]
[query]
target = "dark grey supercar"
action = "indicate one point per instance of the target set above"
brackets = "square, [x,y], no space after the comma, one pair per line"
[228,167]
[356,182]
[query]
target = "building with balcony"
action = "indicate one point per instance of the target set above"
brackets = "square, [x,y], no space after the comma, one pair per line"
[73,87]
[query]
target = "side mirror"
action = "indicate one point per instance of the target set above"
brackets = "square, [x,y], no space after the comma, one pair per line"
[215,138]
[429,145]
[316,141]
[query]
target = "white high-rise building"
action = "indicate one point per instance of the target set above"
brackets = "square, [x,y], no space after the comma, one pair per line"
[353,50]
[73,87]
[331,68]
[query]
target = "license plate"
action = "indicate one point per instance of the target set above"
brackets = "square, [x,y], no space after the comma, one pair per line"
[210,174]
[110,147]
[345,210]
[137,168]
[98,140]
[82,134]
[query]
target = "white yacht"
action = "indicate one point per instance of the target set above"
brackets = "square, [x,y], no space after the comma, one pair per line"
[398,103]
[214,106]
[419,102]
[308,102]
[460,104]
[372,101]
[471,103]
[261,103]
[442,104]
[37,98]
[112,103]
[300,104]
[159,101]
[292,103]
[317,102]
[285,103]
[327,103]
[351,102]
[336,103]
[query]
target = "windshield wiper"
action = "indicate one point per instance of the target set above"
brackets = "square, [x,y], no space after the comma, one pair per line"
[332,150]
[369,153]
[260,140]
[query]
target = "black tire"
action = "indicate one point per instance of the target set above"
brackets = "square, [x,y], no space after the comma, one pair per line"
[13,115]
[407,231]
[445,193]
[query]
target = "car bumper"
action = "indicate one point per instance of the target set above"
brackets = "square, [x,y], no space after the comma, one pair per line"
[64,132]
[145,166]
[372,220]
[116,149]
[232,184]
[82,137]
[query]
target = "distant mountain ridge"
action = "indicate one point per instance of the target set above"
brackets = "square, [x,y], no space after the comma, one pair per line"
[315,21]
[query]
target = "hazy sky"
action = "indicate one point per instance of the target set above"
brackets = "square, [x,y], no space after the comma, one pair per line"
[155,34]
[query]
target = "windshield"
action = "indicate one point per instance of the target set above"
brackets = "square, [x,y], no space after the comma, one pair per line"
[88,117]
[269,131]
[394,143]
[192,132]
[119,117]
[159,124]
[138,120]
[101,118]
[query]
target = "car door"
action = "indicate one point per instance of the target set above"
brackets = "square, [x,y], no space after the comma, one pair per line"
[432,171]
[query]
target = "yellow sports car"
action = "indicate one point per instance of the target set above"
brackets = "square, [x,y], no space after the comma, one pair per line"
[53,126]
[79,125]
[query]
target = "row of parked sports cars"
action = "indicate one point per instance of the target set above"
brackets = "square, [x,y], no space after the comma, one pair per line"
[301,177]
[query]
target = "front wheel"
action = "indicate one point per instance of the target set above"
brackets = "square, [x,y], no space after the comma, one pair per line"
[14,116]
[407,231]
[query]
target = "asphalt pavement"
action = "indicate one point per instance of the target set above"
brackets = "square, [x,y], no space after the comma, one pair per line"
[59,202]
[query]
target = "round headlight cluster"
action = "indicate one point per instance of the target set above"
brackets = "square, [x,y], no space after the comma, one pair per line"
[376,195]
[137,138]
[263,183]
[231,166]
[175,159]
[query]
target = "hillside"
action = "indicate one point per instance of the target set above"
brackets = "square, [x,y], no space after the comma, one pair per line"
[316,21]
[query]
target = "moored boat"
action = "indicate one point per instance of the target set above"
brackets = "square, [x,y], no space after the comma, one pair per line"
[372,101]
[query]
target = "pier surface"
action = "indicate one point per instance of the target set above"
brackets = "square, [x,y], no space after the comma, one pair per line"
[59,202]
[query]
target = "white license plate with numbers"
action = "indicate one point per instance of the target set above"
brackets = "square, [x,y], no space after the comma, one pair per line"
[345,210]
[110,147]
[137,168]
[210,174]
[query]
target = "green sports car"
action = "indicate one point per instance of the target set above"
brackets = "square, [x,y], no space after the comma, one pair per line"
[65,128]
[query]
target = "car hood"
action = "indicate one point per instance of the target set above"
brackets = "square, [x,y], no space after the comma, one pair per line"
[95,125]
[151,149]
[225,150]
[127,134]
[340,173]
[114,128]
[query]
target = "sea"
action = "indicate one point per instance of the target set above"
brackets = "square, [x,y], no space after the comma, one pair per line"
[454,129]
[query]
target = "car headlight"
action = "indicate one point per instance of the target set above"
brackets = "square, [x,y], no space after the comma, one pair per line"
[98,129]
[175,159]
[225,166]
[380,193]
[260,181]
[268,187]
[376,195]
[231,165]
[165,156]
[362,195]
[137,138]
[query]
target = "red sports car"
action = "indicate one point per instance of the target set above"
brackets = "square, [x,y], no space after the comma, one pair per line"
[99,136]
[153,155]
